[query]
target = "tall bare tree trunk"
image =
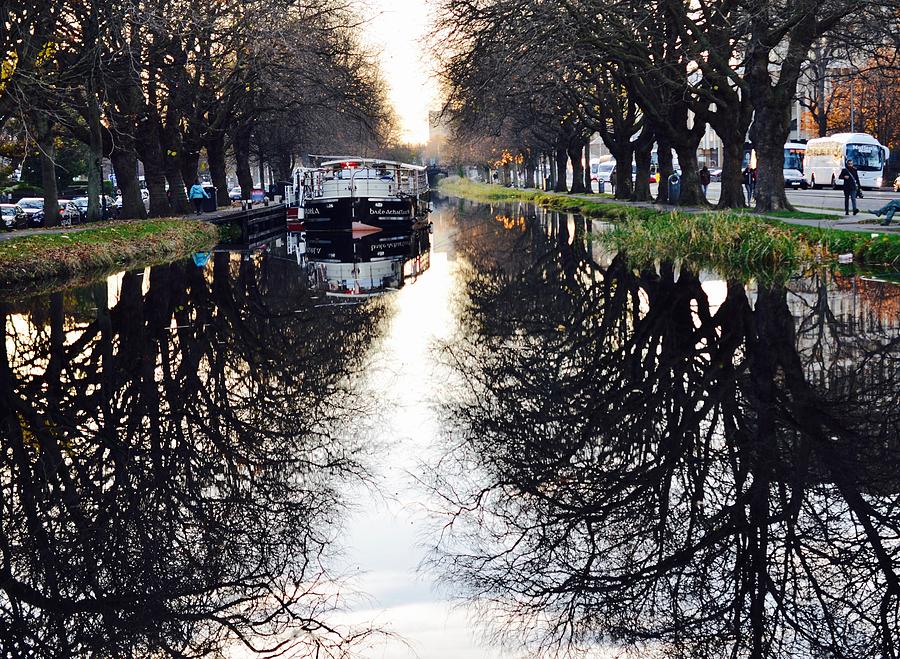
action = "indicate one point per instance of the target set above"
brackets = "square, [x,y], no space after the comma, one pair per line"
[588,184]
[190,165]
[124,160]
[531,164]
[575,152]
[95,159]
[150,146]
[215,152]
[242,158]
[666,168]
[772,97]
[732,195]
[44,137]
[561,159]
[643,149]
[171,143]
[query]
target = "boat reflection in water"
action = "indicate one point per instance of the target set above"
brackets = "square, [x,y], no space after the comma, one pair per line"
[366,261]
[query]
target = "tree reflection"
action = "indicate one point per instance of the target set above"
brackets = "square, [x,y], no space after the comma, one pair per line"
[638,466]
[170,470]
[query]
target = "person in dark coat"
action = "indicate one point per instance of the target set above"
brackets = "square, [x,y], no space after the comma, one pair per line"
[749,183]
[850,176]
[705,178]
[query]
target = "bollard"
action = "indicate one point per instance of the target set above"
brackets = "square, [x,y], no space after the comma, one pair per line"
[674,189]
[601,186]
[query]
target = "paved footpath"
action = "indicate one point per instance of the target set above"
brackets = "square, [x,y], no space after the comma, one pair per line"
[23,233]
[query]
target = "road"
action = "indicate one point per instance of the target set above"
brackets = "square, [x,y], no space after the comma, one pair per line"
[814,200]
[825,199]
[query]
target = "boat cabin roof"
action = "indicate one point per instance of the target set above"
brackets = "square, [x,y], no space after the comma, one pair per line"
[358,163]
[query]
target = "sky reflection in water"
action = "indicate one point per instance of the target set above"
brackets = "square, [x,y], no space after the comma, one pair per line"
[673,460]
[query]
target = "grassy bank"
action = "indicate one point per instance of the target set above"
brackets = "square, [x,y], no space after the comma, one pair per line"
[736,245]
[731,241]
[115,245]
[605,210]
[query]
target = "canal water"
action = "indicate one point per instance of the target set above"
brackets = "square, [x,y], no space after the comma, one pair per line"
[530,449]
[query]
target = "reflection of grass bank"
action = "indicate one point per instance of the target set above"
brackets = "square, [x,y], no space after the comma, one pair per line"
[116,245]
[869,248]
[735,239]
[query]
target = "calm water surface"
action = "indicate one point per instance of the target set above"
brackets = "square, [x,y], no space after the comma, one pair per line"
[530,448]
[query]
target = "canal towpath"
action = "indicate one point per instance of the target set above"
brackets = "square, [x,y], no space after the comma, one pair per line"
[42,231]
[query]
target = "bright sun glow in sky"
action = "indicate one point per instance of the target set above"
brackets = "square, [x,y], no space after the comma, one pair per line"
[398,29]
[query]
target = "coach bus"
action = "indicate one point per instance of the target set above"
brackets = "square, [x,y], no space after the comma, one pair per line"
[827,156]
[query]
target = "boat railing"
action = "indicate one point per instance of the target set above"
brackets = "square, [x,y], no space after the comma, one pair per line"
[410,183]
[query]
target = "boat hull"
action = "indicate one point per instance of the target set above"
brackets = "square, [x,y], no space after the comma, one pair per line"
[342,213]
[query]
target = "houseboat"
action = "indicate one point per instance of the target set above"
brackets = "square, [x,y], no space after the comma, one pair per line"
[359,193]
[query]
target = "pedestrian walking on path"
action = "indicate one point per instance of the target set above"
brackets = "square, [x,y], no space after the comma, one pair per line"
[749,183]
[888,211]
[850,176]
[197,195]
[705,178]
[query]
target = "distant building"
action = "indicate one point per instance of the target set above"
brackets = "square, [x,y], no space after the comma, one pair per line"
[438,138]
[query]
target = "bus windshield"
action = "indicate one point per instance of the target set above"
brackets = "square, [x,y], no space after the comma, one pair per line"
[866,157]
[793,159]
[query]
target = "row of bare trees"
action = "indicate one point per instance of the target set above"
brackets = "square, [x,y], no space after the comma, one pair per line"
[542,77]
[160,81]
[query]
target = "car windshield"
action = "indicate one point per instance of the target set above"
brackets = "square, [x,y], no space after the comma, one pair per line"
[8,211]
[31,203]
[866,157]
[81,202]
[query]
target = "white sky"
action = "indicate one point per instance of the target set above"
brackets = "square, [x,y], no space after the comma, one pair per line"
[398,29]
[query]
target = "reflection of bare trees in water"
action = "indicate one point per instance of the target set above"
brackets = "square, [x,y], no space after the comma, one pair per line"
[169,480]
[635,468]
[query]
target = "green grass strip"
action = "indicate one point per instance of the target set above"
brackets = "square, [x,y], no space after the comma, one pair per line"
[564,203]
[39,257]
[735,245]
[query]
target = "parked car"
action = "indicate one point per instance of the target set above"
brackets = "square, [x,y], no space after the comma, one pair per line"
[68,213]
[235,193]
[14,217]
[111,210]
[897,184]
[34,209]
[715,176]
[793,178]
